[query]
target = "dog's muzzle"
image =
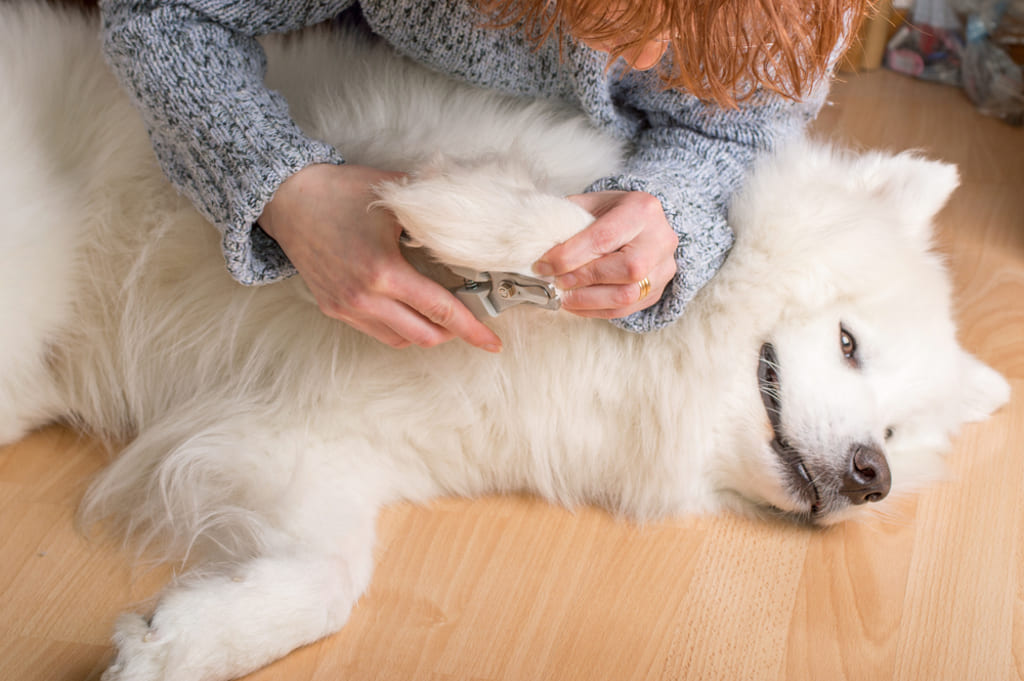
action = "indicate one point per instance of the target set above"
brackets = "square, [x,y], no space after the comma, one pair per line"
[769,384]
[864,478]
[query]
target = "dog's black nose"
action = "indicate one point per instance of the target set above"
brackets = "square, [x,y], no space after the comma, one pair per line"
[867,477]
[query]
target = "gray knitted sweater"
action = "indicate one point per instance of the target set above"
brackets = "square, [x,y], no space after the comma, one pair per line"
[196,72]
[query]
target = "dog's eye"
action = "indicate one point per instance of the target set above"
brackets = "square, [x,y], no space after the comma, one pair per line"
[848,346]
[888,433]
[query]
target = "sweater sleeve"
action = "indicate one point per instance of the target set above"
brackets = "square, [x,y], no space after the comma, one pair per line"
[693,156]
[195,70]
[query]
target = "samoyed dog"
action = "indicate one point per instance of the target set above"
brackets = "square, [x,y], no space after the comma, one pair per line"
[816,374]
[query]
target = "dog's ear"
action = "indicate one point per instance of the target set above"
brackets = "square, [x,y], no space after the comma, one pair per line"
[914,188]
[982,390]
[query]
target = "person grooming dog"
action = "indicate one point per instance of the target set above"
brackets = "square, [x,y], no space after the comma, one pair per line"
[695,88]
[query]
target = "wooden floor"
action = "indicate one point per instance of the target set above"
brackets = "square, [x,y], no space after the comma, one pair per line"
[515,589]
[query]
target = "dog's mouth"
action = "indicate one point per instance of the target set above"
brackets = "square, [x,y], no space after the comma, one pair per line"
[799,478]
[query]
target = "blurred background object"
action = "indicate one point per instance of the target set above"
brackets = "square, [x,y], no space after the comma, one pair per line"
[974,44]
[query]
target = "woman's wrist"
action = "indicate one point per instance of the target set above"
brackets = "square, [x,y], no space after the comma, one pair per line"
[290,194]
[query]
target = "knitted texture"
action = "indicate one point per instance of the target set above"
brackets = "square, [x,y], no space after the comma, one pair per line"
[195,70]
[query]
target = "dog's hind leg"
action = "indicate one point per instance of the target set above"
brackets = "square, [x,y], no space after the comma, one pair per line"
[296,521]
[224,624]
[224,621]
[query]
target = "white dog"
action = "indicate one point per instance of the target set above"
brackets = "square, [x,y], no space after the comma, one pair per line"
[816,372]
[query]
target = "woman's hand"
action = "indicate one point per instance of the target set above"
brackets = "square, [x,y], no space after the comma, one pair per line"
[347,253]
[602,270]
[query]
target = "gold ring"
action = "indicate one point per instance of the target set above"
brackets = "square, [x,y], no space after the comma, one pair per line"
[645,288]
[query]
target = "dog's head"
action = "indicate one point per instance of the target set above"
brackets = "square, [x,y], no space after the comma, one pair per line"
[860,377]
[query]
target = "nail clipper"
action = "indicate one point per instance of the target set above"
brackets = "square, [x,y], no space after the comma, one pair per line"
[488,294]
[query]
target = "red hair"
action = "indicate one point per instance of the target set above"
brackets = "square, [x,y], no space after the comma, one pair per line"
[722,50]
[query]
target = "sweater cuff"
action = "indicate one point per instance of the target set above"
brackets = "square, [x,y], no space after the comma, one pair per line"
[704,241]
[251,255]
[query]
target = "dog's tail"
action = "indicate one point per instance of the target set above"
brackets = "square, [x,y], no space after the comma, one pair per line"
[191,483]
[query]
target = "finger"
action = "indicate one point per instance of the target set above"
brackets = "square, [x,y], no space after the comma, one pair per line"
[438,306]
[376,313]
[617,223]
[414,307]
[412,327]
[625,266]
[614,313]
[393,322]
[610,301]
[367,323]
[601,237]
[379,331]
[604,297]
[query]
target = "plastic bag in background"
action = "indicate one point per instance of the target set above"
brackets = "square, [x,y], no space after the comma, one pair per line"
[993,82]
[990,78]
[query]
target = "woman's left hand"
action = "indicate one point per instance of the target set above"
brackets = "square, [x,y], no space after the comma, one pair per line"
[602,271]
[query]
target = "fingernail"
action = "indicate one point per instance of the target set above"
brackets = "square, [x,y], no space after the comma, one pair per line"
[543,269]
[491,347]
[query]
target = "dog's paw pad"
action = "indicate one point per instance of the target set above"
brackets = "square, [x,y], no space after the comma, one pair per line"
[141,654]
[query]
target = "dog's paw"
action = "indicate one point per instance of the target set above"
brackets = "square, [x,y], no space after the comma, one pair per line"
[141,653]
[485,214]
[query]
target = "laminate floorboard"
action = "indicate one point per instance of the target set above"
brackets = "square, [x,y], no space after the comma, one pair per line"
[512,588]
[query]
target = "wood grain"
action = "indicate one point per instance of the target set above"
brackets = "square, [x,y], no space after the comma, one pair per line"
[513,588]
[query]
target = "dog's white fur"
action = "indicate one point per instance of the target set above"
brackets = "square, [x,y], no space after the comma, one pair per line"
[266,436]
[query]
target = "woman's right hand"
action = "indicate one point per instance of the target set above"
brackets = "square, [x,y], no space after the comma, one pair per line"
[348,255]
